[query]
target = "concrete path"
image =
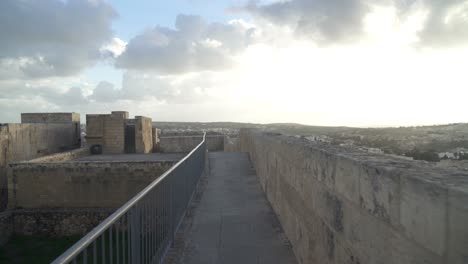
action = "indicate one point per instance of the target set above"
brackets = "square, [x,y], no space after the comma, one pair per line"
[232,222]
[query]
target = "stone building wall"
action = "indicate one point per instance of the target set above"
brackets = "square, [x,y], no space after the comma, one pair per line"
[27,141]
[95,130]
[143,134]
[57,222]
[155,135]
[114,133]
[50,118]
[340,205]
[109,131]
[79,184]
[63,156]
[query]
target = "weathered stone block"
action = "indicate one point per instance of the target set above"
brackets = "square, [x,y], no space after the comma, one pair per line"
[423,213]
[457,237]
[380,193]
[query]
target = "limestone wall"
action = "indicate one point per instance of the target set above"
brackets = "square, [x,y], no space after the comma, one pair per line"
[154,134]
[63,156]
[79,184]
[50,118]
[143,134]
[187,143]
[57,222]
[50,222]
[340,205]
[114,133]
[6,226]
[27,141]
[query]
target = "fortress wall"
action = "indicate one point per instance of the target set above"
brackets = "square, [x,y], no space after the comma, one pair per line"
[143,134]
[50,222]
[79,184]
[57,222]
[339,205]
[114,133]
[63,156]
[6,226]
[186,144]
[50,118]
[27,141]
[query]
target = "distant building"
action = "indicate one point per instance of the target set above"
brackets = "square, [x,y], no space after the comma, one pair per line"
[118,134]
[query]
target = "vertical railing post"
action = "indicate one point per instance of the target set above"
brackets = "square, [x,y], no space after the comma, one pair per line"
[136,234]
[171,209]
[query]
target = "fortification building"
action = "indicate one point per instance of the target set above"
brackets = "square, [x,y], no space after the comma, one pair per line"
[118,134]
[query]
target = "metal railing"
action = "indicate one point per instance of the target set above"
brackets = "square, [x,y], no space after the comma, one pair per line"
[143,229]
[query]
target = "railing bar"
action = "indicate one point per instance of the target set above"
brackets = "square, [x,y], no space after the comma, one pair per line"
[153,236]
[117,244]
[111,255]
[103,226]
[103,245]
[152,229]
[129,238]
[85,256]
[94,253]
[123,240]
[143,227]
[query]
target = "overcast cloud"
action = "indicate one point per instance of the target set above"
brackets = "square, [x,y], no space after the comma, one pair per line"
[52,37]
[338,21]
[193,46]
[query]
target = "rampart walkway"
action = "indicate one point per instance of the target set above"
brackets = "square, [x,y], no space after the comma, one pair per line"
[232,221]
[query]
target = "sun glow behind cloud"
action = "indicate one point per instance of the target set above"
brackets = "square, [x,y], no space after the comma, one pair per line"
[384,80]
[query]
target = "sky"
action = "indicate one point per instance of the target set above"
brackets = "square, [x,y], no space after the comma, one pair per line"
[365,63]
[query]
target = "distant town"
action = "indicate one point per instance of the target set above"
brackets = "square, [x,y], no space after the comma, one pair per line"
[445,144]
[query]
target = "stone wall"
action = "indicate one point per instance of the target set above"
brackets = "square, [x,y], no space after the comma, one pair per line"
[50,222]
[27,141]
[114,133]
[6,226]
[340,205]
[63,156]
[143,134]
[79,184]
[50,118]
[107,131]
[154,133]
[187,143]
[57,222]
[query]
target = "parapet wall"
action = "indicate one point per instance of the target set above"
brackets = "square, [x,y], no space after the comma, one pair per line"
[50,118]
[339,205]
[63,156]
[184,144]
[27,141]
[79,184]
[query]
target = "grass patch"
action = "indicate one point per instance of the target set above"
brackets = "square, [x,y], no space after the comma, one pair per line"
[35,249]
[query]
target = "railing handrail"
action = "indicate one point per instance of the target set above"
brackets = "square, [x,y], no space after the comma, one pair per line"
[85,241]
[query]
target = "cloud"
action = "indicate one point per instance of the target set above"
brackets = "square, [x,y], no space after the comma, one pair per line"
[52,37]
[321,20]
[105,92]
[341,21]
[193,45]
[446,23]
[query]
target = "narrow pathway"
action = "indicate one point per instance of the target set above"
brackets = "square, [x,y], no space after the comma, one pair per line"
[232,221]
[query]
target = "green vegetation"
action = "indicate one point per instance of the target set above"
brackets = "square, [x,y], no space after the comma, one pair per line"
[34,249]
